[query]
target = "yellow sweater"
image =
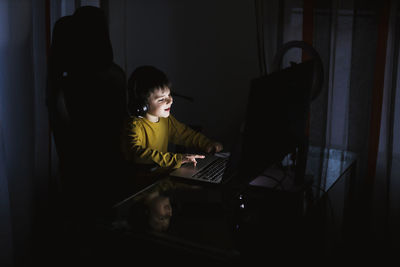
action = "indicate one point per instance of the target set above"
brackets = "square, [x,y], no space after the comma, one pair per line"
[148,141]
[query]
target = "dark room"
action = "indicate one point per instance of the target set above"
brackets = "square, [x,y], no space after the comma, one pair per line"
[222,132]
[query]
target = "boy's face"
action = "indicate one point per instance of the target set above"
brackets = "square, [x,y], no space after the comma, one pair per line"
[160,102]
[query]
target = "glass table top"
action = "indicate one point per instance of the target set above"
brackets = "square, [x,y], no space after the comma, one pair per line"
[219,222]
[328,165]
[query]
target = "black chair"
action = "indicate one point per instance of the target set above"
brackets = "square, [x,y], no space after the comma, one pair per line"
[86,98]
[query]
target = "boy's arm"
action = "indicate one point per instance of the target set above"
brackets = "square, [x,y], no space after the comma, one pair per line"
[182,134]
[173,160]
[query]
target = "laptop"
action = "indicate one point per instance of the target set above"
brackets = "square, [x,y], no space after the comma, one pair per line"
[216,168]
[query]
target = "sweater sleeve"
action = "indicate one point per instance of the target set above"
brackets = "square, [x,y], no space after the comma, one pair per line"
[143,154]
[181,134]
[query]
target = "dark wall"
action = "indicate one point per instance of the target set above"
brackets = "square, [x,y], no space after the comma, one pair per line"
[207,48]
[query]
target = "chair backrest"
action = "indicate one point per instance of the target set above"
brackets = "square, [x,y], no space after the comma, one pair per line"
[86,97]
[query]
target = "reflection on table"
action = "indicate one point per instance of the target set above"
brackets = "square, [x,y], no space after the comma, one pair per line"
[264,219]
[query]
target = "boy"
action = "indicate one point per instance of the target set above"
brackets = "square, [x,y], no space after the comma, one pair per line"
[152,127]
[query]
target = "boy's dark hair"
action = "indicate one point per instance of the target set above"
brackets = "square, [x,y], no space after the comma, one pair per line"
[142,82]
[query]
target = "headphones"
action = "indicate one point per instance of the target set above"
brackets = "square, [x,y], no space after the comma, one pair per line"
[137,106]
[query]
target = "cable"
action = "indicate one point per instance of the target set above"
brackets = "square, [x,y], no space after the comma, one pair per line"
[260,36]
[278,182]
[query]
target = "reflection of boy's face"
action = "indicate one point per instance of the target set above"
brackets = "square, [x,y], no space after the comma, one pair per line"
[160,102]
[160,213]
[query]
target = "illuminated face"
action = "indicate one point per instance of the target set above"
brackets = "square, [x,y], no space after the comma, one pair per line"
[160,213]
[159,103]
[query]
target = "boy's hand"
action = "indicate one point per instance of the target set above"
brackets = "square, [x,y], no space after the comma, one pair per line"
[191,158]
[214,148]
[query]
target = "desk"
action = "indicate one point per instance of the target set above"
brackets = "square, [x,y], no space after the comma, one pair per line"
[260,222]
[331,173]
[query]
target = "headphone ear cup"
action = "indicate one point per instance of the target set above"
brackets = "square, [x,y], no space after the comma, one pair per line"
[145,108]
[136,105]
[141,109]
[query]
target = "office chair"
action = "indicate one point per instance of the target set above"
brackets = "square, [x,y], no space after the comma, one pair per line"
[86,98]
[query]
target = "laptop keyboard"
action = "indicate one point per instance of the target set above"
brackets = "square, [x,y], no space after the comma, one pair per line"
[213,171]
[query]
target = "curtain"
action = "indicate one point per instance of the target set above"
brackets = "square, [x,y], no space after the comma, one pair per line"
[387,185]
[27,156]
[24,125]
[6,244]
[345,35]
